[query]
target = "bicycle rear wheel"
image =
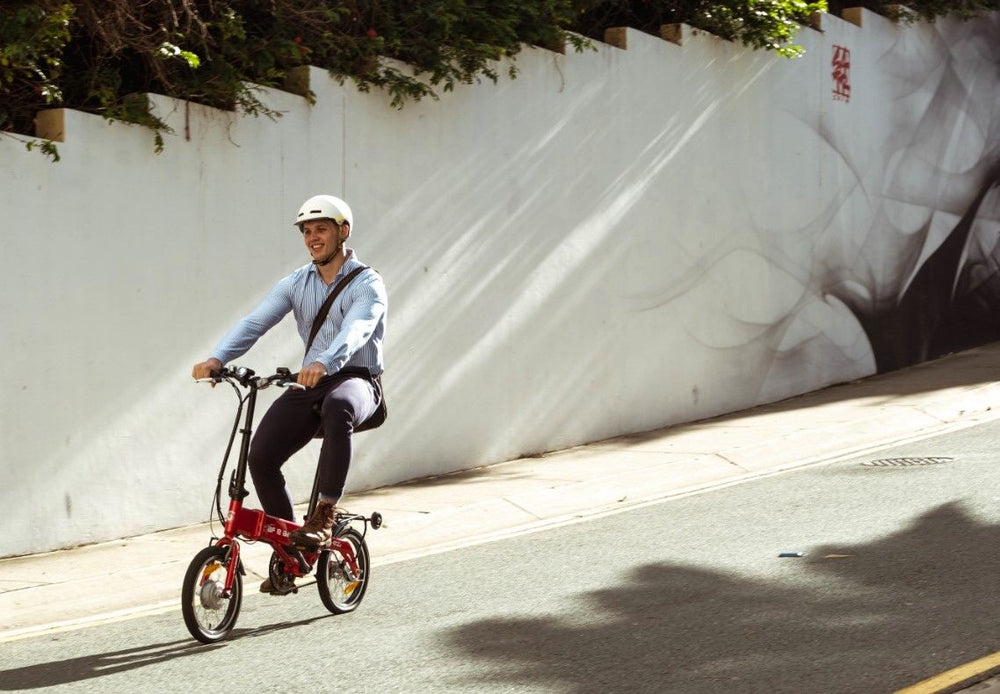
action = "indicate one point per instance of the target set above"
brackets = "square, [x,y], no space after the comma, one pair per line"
[207,614]
[340,589]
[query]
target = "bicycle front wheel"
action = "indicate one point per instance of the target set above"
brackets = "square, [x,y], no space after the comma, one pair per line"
[340,588]
[208,615]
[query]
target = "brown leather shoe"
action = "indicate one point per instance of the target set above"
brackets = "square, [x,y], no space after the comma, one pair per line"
[270,589]
[317,531]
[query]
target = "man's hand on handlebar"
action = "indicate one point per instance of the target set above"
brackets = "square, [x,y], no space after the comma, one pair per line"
[311,375]
[212,370]
[206,368]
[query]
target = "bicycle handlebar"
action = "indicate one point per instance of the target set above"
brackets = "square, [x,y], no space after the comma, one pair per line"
[247,378]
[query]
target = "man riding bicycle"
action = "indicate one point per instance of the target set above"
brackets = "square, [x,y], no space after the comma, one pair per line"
[339,369]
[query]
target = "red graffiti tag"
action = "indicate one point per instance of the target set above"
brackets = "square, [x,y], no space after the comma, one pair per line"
[841,74]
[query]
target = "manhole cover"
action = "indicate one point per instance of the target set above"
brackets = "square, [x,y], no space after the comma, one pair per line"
[907,462]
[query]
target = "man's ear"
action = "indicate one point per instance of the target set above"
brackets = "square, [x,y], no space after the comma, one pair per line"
[345,227]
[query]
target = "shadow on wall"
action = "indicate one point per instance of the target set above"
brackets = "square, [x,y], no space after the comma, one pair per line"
[521,300]
[675,628]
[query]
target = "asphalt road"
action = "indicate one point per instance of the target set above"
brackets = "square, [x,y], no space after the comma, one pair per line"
[687,595]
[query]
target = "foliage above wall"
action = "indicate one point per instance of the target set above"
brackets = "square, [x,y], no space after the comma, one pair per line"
[93,55]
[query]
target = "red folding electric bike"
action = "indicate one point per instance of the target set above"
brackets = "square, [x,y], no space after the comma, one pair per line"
[213,585]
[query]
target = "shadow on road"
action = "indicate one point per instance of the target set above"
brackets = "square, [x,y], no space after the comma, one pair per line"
[61,672]
[904,604]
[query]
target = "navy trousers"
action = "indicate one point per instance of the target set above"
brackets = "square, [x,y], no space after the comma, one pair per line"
[339,402]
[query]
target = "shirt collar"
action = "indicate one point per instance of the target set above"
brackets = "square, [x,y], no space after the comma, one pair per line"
[348,266]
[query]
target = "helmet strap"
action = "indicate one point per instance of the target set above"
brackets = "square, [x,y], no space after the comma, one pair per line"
[333,254]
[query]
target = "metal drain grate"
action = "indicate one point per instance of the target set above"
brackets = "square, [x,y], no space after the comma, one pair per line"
[907,462]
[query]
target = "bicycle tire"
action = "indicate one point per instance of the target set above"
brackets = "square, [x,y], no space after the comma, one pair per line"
[338,589]
[209,616]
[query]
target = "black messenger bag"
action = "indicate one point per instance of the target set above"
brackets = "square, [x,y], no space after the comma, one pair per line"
[382,412]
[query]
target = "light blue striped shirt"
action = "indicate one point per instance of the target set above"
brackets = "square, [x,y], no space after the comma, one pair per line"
[352,333]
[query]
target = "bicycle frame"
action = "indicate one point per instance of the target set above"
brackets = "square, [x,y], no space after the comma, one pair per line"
[254,525]
[212,591]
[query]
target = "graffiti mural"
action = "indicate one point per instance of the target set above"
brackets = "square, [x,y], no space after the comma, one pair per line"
[939,202]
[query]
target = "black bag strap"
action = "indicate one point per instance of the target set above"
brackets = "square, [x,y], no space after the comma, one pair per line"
[325,308]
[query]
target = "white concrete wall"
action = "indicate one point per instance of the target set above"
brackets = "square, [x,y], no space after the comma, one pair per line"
[615,241]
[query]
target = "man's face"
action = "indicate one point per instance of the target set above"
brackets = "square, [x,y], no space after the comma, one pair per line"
[321,237]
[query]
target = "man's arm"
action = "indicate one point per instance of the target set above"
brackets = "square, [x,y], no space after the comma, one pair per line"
[247,331]
[368,305]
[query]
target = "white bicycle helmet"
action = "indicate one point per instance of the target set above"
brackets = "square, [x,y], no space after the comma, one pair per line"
[324,207]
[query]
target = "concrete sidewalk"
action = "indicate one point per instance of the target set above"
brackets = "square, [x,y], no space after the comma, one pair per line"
[113,580]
